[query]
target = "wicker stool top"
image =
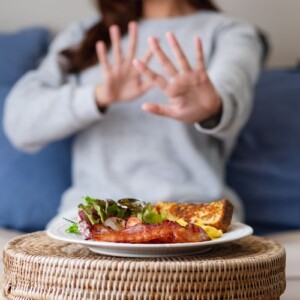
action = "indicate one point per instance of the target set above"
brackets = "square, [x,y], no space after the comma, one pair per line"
[38,267]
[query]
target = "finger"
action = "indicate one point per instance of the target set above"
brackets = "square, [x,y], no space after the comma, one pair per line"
[162,57]
[102,55]
[132,33]
[147,56]
[146,86]
[199,54]
[159,109]
[143,69]
[200,59]
[115,37]
[178,53]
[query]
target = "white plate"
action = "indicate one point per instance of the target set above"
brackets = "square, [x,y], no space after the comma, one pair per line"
[58,226]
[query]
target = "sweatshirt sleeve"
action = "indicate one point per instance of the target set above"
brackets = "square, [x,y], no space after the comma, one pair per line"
[46,104]
[233,69]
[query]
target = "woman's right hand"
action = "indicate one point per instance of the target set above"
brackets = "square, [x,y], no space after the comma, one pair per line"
[121,81]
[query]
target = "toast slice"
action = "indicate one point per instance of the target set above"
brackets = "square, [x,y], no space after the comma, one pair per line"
[216,214]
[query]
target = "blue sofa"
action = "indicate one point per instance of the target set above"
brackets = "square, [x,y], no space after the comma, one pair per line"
[30,185]
[264,168]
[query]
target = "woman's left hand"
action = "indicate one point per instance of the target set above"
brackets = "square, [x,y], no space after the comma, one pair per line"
[191,94]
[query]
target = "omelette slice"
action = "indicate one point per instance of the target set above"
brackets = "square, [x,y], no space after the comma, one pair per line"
[217,214]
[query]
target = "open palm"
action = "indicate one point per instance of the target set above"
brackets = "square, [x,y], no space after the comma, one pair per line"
[191,94]
[121,81]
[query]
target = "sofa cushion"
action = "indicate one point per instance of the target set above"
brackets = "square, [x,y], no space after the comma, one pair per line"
[20,52]
[30,185]
[265,166]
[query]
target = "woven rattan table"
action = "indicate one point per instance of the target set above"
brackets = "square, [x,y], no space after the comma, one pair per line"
[38,267]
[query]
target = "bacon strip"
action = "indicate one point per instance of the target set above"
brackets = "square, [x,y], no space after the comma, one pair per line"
[167,232]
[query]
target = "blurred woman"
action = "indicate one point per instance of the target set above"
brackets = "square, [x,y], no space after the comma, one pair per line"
[155,91]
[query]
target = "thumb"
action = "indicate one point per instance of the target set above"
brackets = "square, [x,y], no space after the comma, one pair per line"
[159,109]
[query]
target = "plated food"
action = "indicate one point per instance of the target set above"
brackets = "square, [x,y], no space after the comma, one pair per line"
[137,222]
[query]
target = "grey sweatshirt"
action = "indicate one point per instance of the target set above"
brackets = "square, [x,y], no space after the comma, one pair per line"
[127,152]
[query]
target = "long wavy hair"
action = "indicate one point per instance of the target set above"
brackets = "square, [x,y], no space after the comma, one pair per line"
[118,12]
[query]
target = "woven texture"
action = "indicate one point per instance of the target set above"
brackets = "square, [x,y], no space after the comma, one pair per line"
[38,267]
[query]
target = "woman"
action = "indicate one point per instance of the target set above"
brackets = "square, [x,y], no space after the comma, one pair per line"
[159,128]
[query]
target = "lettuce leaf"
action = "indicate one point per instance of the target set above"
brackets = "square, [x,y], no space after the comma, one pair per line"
[98,210]
[73,229]
[149,216]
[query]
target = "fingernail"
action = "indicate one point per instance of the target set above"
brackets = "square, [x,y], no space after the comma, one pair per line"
[153,39]
[136,63]
[150,39]
[132,24]
[99,44]
[153,42]
[145,107]
[113,27]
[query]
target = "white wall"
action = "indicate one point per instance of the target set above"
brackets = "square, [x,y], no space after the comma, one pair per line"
[54,13]
[279,18]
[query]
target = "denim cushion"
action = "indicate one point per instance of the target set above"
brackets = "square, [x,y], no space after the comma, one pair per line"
[30,185]
[265,166]
[20,52]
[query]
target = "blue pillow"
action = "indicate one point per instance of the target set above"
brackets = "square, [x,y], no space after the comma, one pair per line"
[265,166]
[20,52]
[30,185]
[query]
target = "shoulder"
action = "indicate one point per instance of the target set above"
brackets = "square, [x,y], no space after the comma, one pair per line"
[222,22]
[73,33]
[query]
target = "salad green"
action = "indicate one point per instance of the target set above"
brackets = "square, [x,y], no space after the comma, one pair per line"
[73,229]
[96,211]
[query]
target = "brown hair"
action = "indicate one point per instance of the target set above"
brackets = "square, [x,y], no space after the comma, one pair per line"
[119,12]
